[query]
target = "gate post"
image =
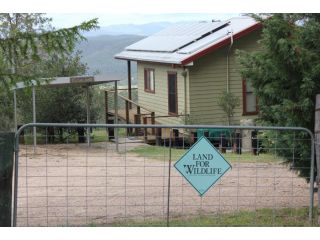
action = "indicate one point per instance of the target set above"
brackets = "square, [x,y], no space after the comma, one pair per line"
[6,169]
[317,147]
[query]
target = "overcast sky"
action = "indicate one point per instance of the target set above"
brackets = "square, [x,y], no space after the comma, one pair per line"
[112,12]
[71,19]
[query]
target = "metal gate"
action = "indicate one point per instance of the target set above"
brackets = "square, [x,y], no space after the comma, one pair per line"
[123,181]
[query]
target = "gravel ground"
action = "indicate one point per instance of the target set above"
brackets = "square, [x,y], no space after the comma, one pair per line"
[72,185]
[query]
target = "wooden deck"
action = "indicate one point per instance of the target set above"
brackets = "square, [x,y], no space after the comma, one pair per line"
[133,113]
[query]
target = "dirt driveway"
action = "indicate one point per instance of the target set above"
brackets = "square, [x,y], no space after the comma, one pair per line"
[72,185]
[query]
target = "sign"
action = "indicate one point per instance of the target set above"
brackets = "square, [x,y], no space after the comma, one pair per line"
[202,165]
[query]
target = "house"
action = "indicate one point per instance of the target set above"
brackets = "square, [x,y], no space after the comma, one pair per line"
[183,70]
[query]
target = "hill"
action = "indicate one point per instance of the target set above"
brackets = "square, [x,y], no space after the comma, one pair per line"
[129,29]
[98,53]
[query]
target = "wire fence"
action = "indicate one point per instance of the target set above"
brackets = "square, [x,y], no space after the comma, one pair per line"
[126,182]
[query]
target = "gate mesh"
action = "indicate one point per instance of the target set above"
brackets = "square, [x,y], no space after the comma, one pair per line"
[62,182]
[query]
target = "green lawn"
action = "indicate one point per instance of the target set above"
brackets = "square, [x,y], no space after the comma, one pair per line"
[158,152]
[294,217]
[97,135]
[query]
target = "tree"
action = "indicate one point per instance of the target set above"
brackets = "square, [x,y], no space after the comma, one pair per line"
[27,41]
[285,75]
[59,105]
[228,102]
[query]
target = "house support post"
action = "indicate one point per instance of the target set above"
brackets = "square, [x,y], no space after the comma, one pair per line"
[116,130]
[129,130]
[129,83]
[88,115]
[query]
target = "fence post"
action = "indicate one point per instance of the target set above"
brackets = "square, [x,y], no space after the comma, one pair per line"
[317,142]
[6,169]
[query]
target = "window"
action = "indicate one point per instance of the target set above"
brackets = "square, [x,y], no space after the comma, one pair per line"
[250,106]
[149,80]
[172,93]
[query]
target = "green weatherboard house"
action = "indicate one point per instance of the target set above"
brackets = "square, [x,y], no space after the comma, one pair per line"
[184,69]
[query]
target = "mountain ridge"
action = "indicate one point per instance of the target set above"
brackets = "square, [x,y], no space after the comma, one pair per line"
[146,29]
[98,52]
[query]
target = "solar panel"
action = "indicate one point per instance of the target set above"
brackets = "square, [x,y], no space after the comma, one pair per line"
[169,46]
[212,38]
[175,37]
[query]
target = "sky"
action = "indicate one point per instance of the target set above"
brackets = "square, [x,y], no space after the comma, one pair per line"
[105,19]
[67,13]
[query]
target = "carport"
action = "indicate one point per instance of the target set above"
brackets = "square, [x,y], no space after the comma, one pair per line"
[81,81]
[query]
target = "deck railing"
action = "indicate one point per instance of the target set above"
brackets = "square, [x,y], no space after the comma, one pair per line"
[130,111]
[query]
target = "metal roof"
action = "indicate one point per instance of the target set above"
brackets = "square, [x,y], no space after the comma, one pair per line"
[74,80]
[180,43]
[175,37]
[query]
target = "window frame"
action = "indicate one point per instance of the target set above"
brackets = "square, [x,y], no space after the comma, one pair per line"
[176,93]
[146,89]
[244,98]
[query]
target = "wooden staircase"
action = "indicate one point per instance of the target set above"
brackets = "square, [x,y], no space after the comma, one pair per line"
[131,112]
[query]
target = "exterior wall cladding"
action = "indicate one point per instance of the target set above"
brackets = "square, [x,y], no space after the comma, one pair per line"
[206,80]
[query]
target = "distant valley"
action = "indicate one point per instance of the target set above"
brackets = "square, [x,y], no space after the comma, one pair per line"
[102,44]
[98,52]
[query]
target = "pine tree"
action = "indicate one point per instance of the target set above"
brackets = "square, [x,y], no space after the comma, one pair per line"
[285,74]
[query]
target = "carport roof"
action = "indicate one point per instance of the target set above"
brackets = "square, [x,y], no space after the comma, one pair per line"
[64,81]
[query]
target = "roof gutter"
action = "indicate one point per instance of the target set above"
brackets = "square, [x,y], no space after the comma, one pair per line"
[146,60]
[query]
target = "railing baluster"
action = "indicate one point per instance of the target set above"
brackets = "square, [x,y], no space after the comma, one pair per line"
[145,130]
[138,119]
[153,122]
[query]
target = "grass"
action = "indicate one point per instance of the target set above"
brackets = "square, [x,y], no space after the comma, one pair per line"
[286,217]
[97,135]
[155,152]
[158,152]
